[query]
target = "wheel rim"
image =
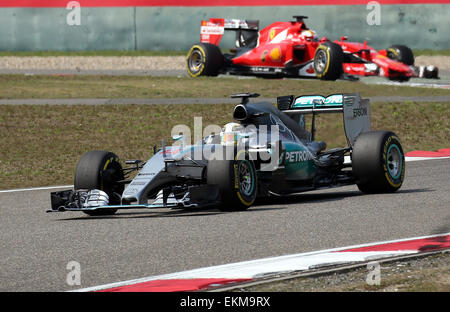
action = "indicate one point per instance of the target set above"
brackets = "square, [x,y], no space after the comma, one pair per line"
[245,178]
[320,61]
[196,61]
[394,161]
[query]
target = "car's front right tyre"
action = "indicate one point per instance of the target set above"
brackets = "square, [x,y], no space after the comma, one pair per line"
[401,54]
[328,60]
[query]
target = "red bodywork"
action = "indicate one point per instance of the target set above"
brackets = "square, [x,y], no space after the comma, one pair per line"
[384,65]
[288,48]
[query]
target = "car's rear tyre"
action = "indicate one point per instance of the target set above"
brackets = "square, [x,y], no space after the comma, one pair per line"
[328,60]
[237,181]
[431,72]
[204,59]
[378,162]
[401,53]
[100,170]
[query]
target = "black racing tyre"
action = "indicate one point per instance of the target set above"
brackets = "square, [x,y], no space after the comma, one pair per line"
[237,181]
[100,170]
[328,60]
[401,53]
[431,71]
[204,59]
[378,162]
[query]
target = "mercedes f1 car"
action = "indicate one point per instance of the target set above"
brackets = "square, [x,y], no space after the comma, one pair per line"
[266,151]
[291,49]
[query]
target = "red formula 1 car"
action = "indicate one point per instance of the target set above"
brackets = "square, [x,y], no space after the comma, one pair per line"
[291,49]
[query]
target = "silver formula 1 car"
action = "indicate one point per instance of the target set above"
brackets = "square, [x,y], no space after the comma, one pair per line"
[266,151]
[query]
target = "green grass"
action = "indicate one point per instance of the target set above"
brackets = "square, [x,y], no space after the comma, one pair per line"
[41,144]
[432,52]
[92,53]
[42,86]
[417,52]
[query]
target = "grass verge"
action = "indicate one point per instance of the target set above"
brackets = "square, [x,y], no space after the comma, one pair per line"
[431,52]
[417,52]
[39,86]
[92,53]
[42,144]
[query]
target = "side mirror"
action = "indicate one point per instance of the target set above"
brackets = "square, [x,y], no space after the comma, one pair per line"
[177,137]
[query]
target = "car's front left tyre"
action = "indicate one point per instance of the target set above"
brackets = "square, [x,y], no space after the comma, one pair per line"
[204,59]
[100,170]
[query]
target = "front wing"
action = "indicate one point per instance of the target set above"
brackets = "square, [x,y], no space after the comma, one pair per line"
[198,196]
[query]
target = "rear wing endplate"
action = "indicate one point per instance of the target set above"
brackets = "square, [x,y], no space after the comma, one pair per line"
[356,111]
[211,31]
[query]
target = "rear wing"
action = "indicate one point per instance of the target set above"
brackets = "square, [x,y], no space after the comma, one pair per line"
[356,111]
[212,31]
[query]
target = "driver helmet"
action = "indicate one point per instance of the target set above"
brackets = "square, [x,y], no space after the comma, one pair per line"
[308,34]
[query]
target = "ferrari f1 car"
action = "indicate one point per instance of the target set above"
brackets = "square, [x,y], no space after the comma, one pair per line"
[266,151]
[291,49]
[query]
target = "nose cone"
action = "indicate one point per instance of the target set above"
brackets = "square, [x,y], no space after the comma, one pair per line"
[137,189]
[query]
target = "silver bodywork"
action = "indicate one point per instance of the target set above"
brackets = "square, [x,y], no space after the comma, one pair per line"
[175,176]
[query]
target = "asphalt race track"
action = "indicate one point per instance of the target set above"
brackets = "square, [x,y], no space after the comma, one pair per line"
[37,246]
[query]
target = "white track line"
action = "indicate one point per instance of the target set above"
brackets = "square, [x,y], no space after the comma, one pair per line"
[347,159]
[408,158]
[412,84]
[37,188]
